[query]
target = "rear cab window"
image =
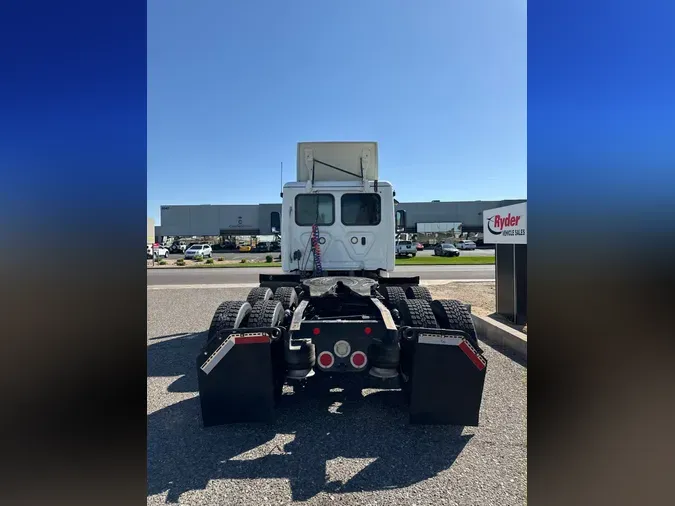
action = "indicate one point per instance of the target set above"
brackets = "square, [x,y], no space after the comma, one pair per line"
[360,209]
[314,208]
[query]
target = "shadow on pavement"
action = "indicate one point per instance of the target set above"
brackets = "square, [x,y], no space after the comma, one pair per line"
[312,428]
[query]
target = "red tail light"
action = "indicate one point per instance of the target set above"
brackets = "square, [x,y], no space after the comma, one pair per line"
[367,330]
[326,359]
[316,331]
[358,359]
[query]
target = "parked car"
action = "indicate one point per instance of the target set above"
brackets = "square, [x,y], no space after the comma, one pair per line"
[466,245]
[226,246]
[406,248]
[177,247]
[245,248]
[199,249]
[162,252]
[263,247]
[420,246]
[446,249]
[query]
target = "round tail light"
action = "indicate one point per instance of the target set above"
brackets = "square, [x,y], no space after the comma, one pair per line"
[342,349]
[358,359]
[326,359]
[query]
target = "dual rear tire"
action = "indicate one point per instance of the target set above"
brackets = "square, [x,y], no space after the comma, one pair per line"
[263,313]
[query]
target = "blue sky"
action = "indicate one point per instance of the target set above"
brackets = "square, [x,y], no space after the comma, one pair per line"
[233,86]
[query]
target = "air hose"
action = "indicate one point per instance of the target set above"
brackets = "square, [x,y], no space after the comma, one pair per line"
[316,249]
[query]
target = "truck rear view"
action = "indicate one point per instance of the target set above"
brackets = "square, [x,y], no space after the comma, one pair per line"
[336,313]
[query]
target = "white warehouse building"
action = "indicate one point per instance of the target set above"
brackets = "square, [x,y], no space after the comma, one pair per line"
[257,219]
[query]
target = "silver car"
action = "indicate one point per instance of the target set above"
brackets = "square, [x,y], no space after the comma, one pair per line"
[203,250]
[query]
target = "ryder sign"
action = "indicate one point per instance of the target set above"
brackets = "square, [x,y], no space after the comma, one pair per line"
[505,225]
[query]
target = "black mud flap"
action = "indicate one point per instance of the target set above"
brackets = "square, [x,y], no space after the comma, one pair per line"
[447,377]
[238,377]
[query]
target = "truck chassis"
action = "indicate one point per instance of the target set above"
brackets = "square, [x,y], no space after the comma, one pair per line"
[385,332]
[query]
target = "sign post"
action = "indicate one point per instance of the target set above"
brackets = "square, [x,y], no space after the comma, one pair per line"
[155,249]
[506,228]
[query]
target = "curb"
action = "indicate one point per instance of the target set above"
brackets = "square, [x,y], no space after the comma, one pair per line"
[498,334]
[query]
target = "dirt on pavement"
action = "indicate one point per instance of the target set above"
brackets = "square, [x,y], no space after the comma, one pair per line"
[481,296]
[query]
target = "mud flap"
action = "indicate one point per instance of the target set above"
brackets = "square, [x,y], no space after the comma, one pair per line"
[447,377]
[237,378]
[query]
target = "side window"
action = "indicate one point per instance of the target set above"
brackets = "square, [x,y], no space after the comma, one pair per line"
[314,208]
[358,209]
[275,222]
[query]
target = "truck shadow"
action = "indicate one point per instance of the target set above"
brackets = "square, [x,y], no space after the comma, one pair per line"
[311,431]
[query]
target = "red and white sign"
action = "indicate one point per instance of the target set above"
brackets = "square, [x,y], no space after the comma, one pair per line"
[505,225]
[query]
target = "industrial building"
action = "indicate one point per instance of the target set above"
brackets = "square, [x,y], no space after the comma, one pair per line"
[256,219]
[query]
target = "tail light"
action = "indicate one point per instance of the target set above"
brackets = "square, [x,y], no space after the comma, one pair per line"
[358,359]
[326,359]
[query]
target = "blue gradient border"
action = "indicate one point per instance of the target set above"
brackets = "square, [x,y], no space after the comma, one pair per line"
[73,192]
[601,244]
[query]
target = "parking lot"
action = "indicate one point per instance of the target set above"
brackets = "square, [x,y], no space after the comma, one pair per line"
[260,257]
[328,449]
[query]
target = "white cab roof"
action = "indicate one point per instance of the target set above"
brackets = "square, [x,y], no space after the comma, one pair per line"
[348,156]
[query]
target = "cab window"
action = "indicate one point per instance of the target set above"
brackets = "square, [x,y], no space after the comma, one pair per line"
[314,208]
[359,209]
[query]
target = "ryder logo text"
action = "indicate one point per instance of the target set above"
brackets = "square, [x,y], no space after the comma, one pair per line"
[498,223]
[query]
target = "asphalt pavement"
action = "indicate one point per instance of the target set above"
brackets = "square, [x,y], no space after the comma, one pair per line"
[239,275]
[332,448]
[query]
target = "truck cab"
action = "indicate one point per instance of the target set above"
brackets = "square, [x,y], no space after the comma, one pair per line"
[355,226]
[339,201]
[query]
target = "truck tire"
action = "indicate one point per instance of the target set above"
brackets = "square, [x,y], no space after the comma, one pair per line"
[417,313]
[453,315]
[229,315]
[419,292]
[266,313]
[259,293]
[414,313]
[217,316]
[270,313]
[287,296]
[394,295]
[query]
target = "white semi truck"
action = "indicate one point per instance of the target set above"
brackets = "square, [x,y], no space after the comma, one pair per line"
[336,312]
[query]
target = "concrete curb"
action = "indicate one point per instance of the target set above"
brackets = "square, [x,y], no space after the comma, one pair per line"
[499,334]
